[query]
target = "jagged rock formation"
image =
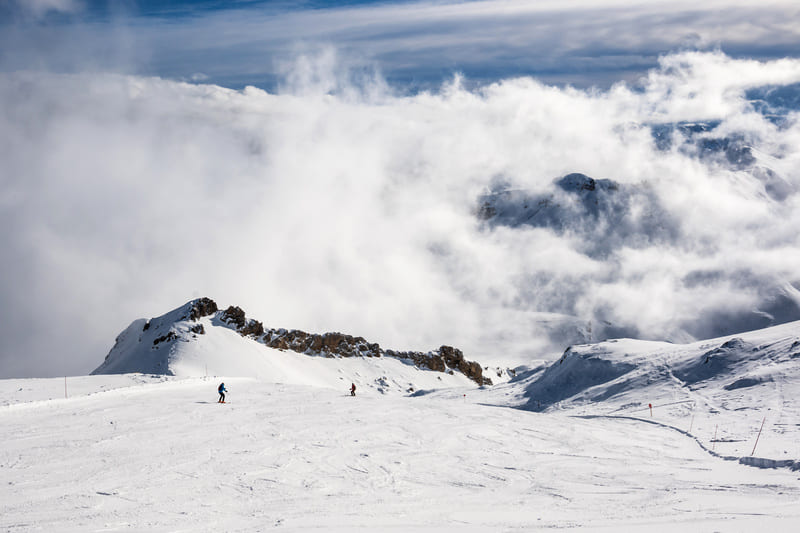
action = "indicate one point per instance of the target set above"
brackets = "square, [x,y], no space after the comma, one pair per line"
[202,307]
[235,316]
[334,344]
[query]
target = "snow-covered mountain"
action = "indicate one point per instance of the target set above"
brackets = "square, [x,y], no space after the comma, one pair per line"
[606,215]
[199,339]
[623,435]
[717,391]
[732,382]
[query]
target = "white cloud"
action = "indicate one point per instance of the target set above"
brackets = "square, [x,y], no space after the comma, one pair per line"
[338,205]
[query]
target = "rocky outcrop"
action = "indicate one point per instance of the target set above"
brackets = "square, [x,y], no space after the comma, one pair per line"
[202,307]
[164,338]
[445,359]
[328,344]
[234,316]
[334,344]
[252,328]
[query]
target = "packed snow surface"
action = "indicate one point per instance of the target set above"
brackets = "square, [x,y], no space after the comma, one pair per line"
[163,455]
[572,444]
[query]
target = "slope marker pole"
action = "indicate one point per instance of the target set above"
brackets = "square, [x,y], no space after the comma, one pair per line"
[759,435]
[65,386]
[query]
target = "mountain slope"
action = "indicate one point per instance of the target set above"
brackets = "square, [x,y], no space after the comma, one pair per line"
[581,448]
[719,390]
[198,339]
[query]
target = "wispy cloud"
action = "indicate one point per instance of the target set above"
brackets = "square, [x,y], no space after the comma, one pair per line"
[37,9]
[416,44]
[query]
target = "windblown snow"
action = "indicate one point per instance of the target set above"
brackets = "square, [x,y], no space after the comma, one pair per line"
[571,444]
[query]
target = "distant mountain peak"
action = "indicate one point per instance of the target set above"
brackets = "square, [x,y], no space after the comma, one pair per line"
[604,215]
[577,182]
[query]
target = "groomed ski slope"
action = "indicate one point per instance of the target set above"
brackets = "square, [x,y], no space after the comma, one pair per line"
[146,453]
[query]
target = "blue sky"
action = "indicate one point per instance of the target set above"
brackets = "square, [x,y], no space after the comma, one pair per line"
[413,45]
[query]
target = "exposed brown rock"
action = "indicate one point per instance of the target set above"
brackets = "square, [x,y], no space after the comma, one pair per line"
[435,363]
[315,343]
[202,307]
[335,344]
[452,356]
[252,327]
[444,359]
[234,315]
[168,337]
[474,372]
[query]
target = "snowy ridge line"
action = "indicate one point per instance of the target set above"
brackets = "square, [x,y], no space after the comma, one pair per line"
[184,340]
[757,462]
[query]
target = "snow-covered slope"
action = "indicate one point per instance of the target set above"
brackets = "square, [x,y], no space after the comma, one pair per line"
[197,339]
[162,455]
[718,391]
[572,444]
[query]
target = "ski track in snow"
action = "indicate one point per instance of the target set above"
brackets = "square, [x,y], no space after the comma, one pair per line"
[162,455]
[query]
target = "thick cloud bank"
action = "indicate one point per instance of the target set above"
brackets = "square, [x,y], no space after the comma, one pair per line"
[338,205]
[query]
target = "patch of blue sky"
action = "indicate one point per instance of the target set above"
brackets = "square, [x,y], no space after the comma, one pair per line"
[414,45]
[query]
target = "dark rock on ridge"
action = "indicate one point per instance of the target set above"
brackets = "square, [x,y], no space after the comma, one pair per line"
[335,344]
[202,307]
[164,338]
[235,316]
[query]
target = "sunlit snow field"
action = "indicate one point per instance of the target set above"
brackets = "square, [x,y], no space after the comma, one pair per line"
[150,453]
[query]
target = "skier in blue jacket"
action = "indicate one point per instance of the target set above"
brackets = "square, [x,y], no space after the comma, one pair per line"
[222,390]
